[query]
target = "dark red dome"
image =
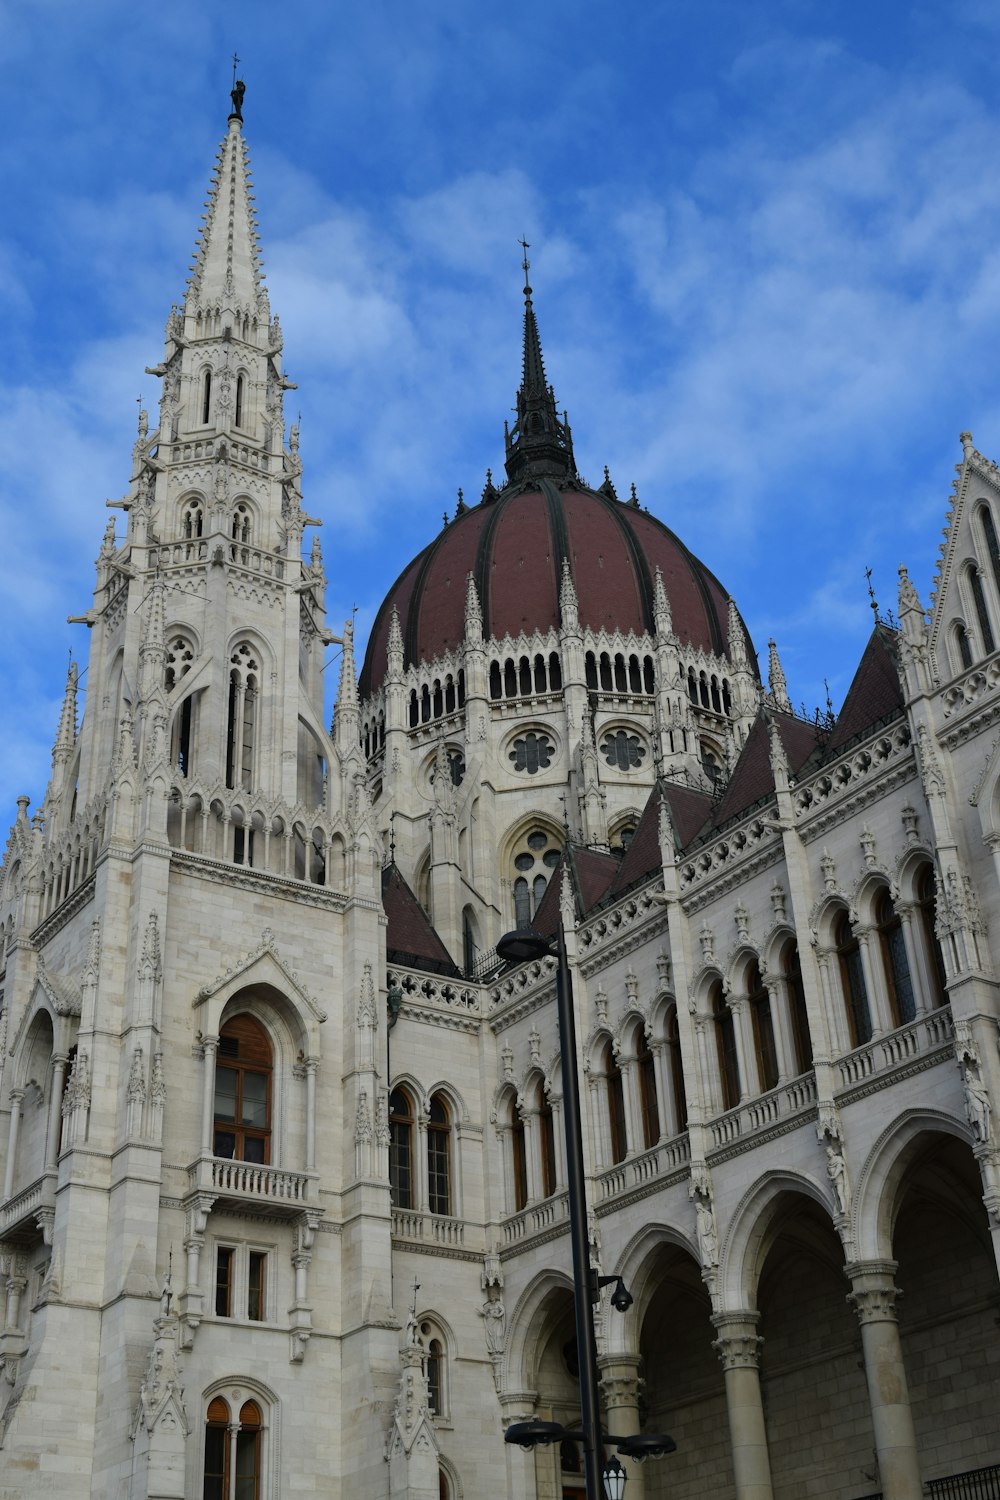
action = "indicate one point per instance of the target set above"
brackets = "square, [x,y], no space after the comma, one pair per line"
[514,545]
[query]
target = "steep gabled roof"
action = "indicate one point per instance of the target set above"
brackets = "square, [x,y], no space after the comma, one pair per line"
[752,780]
[591,875]
[410,938]
[875,693]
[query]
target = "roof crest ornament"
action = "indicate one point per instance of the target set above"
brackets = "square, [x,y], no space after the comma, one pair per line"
[540,441]
[239,88]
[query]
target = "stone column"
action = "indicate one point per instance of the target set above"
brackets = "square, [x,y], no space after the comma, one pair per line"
[745,1050]
[620,1388]
[878,1000]
[915,960]
[781,1029]
[16,1100]
[209,1044]
[559,1137]
[873,1295]
[664,1103]
[312,1063]
[52,1129]
[738,1346]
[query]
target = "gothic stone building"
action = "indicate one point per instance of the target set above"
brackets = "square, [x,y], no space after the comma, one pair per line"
[284,1201]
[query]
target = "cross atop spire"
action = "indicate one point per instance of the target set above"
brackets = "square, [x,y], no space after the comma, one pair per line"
[540,441]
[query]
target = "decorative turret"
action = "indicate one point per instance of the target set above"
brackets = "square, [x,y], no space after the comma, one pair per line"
[540,442]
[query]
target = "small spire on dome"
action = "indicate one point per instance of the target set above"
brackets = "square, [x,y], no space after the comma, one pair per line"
[776,679]
[540,442]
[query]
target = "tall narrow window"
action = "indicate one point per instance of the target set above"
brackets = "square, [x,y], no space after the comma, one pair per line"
[927,907]
[248,1453]
[763,1031]
[646,1068]
[192,520]
[676,1068]
[852,978]
[434,1366]
[401,1149]
[990,537]
[725,1044]
[244,680]
[616,1104]
[439,1157]
[257,1286]
[797,1007]
[547,1142]
[964,648]
[243,1091]
[519,1158]
[216,1477]
[224,1257]
[982,613]
[206,396]
[240,387]
[894,961]
[242,525]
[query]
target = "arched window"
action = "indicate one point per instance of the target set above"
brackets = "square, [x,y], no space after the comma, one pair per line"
[244,680]
[243,1069]
[439,1157]
[206,395]
[802,1041]
[216,1473]
[852,979]
[725,1046]
[414,709]
[590,669]
[496,686]
[646,1068]
[894,961]
[763,1030]
[605,672]
[232,1469]
[616,1104]
[434,1368]
[927,907]
[990,538]
[242,524]
[535,857]
[555,672]
[192,519]
[240,394]
[963,646]
[509,679]
[519,1158]
[401,1149]
[180,655]
[621,680]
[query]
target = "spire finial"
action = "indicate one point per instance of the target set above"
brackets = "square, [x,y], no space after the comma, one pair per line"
[236,93]
[540,442]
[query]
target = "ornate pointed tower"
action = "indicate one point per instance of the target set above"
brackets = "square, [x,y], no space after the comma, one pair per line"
[189,925]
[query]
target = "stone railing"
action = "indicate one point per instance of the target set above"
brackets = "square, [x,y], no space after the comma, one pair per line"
[970,689]
[649,1168]
[897,1048]
[754,1115]
[177,554]
[420,989]
[248,1182]
[424,1228]
[536,1218]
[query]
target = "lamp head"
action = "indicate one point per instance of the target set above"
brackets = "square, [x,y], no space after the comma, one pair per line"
[615,1479]
[534,1433]
[524,943]
[643,1445]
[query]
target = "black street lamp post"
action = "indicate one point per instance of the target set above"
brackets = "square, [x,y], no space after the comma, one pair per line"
[516,947]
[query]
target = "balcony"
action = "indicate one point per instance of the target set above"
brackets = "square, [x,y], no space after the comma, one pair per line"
[550,1213]
[31,1209]
[269,1190]
[427,1229]
[909,1049]
[649,1170]
[780,1110]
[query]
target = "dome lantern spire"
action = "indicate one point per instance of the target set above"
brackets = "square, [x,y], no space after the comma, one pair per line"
[540,441]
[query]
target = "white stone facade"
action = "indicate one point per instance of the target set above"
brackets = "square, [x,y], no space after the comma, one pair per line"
[787,1023]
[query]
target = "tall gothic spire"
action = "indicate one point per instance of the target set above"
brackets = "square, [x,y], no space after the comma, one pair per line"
[541,441]
[227,268]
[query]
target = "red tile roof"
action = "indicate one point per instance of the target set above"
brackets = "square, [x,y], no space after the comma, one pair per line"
[410,936]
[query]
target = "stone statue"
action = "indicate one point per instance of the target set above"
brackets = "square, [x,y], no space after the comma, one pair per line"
[977,1105]
[708,1238]
[836,1170]
[239,89]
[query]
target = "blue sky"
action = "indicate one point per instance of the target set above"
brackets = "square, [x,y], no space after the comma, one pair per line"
[765,255]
